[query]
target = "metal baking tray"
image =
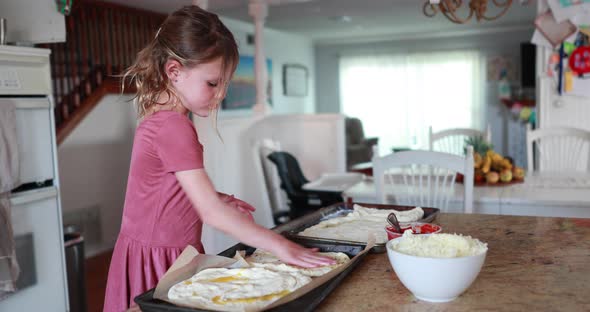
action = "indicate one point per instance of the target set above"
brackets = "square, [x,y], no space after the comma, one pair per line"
[293,228]
[305,303]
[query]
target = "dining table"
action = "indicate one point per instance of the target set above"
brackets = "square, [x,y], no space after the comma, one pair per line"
[532,264]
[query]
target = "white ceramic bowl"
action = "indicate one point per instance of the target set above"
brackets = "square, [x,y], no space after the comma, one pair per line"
[435,279]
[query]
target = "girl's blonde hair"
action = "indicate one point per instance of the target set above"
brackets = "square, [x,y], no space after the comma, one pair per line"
[191,36]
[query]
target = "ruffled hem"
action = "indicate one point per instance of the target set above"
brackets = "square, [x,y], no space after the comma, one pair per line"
[135,268]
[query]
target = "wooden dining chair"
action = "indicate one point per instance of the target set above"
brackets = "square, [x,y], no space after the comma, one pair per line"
[453,140]
[558,149]
[423,178]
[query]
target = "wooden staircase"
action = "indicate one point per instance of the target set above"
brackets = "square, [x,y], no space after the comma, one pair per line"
[102,39]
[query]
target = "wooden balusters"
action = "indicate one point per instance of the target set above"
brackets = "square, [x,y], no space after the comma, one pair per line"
[102,40]
[108,37]
[72,61]
[116,41]
[129,41]
[85,56]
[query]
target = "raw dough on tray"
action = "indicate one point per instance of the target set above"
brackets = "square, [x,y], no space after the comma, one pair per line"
[263,280]
[357,225]
[244,289]
[264,259]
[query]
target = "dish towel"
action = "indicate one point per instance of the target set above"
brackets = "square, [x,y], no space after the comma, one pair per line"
[9,173]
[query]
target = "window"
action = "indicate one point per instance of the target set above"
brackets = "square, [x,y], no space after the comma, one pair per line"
[399,96]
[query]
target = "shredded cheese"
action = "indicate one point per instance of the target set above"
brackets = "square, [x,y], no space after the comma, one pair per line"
[438,245]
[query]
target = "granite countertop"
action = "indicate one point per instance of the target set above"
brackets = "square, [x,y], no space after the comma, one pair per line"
[533,263]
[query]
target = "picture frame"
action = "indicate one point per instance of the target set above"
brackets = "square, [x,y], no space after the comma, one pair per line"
[241,93]
[295,80]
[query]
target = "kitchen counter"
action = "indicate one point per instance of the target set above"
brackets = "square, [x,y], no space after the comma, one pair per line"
[533,263]
[542,195]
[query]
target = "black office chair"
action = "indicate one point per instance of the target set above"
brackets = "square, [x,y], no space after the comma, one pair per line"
[301,201]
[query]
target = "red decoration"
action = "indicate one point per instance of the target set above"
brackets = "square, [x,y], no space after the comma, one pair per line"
[579,61]
[523,103]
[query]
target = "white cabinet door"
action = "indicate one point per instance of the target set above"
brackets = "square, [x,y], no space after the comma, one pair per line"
[37,212]
[562,110]
[34,129]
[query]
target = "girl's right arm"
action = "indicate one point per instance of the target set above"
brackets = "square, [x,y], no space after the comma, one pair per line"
[219,214]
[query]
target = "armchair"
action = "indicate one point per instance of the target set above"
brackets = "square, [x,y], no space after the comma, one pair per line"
[358,148]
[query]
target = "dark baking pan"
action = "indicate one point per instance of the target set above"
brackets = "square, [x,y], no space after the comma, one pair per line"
[293,228]
[307,302]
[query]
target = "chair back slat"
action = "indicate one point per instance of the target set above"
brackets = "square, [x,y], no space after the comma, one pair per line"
[560,149]
[453,140]
[423,178]
[269,173]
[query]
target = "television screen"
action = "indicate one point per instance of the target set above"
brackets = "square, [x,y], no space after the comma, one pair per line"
[528,52]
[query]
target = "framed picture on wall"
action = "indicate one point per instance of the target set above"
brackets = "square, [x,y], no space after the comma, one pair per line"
[294,80]
[241,93]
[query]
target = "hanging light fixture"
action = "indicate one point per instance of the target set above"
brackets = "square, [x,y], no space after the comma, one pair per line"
[476,8]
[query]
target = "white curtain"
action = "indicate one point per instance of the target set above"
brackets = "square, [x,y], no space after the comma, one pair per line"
[399,96]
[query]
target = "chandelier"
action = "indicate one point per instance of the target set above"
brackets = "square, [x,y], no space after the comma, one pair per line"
[477,8]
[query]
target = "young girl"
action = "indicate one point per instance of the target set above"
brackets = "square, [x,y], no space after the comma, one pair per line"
[186,68]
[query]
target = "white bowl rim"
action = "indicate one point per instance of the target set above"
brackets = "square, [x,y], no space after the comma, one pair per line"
[418,222]
[389,248]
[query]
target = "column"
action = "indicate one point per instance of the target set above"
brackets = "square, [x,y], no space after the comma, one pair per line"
[203,4]
[259,10]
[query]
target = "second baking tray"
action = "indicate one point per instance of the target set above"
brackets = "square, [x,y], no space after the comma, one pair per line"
[305,303]
[293,228]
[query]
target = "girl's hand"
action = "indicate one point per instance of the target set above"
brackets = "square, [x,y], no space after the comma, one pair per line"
[134,308]
[295,254]
[239,204]
[243,206]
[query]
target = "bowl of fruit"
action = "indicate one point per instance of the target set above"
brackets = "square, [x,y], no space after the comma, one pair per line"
[491,168]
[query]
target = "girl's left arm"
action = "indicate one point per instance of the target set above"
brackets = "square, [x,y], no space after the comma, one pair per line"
[239,204]
[222,216]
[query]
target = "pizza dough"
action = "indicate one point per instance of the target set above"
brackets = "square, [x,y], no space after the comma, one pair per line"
[266,280]
[357,225]
[264,259]
[242,289]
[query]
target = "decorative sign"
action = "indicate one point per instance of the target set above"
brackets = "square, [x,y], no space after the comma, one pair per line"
[567,3]
[579,61]
[501,65]
[9,79]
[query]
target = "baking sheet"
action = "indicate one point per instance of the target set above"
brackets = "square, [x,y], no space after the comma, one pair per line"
[296,301]
[293,228]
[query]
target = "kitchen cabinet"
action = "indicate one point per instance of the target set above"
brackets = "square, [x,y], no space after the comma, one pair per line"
[36,216]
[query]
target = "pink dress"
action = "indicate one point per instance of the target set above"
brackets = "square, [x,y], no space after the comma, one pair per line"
[158,219]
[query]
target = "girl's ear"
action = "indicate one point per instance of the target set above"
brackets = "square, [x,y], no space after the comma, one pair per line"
[172,69]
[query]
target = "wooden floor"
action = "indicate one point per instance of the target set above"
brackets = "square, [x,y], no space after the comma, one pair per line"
[97,269]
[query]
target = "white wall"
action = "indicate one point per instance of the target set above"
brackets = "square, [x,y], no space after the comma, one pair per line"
[33,21]
[94,159]
[316,140]
[492,44]
[94,164]
[282,48]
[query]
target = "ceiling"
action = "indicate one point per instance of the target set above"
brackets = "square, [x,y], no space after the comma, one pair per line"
[339,21]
